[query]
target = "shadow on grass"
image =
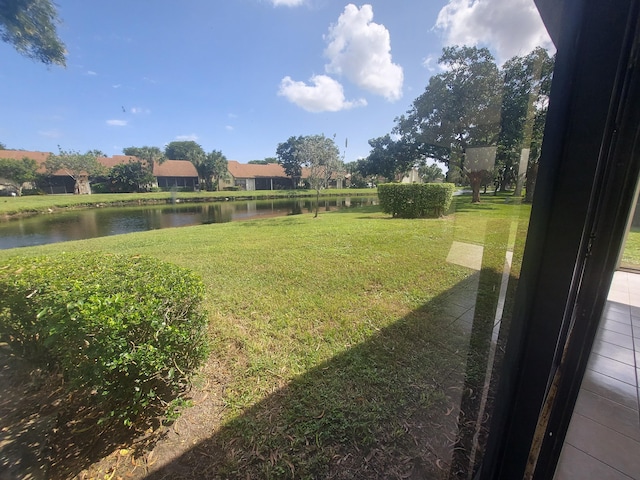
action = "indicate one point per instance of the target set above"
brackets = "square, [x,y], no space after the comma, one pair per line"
[48,432]
[403,404]
[384,409]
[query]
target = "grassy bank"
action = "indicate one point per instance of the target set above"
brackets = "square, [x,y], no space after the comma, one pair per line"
[34,204]
[333,337]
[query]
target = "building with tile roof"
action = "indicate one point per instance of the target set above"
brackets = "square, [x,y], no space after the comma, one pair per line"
[249,176]
[169,174]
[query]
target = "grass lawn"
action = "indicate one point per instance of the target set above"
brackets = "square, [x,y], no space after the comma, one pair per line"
[44,203]
[631,254]
[331,337]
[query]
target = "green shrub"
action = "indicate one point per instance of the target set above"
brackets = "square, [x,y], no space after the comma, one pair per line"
[127,331]
[415,200]
[100,188]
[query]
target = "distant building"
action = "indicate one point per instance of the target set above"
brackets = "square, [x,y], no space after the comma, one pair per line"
[249,176]
[169,174]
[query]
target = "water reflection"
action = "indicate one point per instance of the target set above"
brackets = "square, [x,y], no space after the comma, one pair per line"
[102,222]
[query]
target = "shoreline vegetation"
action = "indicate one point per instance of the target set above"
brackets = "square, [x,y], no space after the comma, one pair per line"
[14,207]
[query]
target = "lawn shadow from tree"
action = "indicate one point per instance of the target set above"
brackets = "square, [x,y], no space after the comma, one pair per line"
[388,408]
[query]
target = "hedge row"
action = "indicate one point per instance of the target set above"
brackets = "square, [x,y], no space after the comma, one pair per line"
[415,200]
[127,331]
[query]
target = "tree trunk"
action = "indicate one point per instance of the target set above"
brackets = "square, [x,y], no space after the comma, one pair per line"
[317,202]
[532,174]
[475,179]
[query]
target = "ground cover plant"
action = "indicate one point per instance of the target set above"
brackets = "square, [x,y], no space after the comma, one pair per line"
[338,350]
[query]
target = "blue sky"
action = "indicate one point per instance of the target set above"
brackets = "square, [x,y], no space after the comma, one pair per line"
[241,76]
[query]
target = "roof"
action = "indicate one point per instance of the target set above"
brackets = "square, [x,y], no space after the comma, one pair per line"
[175,168]
[111,162]
[39,157]
[169,168]
[250,170]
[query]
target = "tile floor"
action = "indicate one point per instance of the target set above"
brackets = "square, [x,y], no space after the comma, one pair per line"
[603,441]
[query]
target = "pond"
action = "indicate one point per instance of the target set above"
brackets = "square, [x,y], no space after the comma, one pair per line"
[102,222]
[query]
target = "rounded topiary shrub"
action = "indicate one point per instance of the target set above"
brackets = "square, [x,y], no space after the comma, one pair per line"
[126,330]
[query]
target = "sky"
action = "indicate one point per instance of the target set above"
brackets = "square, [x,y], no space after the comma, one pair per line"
[242,76]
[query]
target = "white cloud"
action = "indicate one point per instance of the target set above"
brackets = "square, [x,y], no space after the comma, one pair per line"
[507,27]
[54,133]
[325,95]
[361,50]
[91,72]
[117,85]
[230,128]
[429,63]
[140,110]
[117,123]
[191,136]
[287,3]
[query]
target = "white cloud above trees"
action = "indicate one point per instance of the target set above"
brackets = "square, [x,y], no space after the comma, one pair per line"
[191,136]
[360,50]
[507,27]
[323,95]
[287,3]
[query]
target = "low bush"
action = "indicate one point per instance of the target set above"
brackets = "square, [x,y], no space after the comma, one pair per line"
[415,200]
[127,331]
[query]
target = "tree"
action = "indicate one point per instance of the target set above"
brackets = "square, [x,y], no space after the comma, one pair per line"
[526,87]
[132,176]
[184,150]
[266,161]
[149,155]
[2,146]
[15,173]
[81,167]
[431,173]
[459,108]
[212,168]
[30,27]
[322,158]
[286,154]
[357,172]
[390,158]
[540,96]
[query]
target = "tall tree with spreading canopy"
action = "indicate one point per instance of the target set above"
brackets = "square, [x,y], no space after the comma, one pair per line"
[459,108]
[391,158]
[321,156]
[149,155]
[184,150]
[30,27]
[82,167]
[527,81]
[286,153]
[15,173]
